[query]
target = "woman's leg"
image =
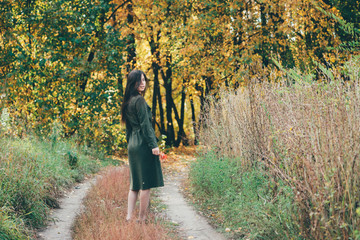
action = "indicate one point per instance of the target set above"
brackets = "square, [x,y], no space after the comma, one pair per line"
[144,203]
[132,197]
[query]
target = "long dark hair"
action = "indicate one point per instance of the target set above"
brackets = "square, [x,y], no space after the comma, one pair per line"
[133,82]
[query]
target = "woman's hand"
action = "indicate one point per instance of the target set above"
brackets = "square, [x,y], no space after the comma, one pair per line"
[156,151]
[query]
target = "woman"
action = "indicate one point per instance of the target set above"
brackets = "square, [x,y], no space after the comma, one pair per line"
[143,151]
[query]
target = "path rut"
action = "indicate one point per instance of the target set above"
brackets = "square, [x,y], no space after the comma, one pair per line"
[63,218]
[192,225]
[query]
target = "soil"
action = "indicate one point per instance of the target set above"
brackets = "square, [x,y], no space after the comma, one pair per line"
[179,211]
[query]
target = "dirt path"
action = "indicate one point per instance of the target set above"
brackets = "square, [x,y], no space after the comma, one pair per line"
[70,206]
[192,225]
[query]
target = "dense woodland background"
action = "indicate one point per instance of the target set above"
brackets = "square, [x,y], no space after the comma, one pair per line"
[63,64]
[269,88]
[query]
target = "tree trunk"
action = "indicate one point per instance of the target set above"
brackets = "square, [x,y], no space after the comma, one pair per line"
[154,97]
[193,118]
[237,41]
[162,119]
[154,48]
[120,77]
[120,85]
[181,134]
[170,133]
[130,41]
[83,80]
[264,51]
[204,92]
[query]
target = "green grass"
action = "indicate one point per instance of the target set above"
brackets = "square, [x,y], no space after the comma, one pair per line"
[33,173]
[247,202]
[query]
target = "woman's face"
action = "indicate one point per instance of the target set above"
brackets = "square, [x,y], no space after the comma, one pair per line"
[142,85]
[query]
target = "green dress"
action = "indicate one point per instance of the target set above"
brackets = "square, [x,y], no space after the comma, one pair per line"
[145,168]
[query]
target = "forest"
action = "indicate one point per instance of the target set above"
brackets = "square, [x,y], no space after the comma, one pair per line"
[64,63]
[268,90]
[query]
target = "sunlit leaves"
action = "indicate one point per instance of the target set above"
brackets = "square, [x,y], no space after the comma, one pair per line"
[65,64]
[65,59]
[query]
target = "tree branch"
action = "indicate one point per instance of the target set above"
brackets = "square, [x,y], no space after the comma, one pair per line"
[115,10]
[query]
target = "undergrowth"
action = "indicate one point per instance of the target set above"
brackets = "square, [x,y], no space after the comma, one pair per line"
[299,132]
[33,173]
[248,204]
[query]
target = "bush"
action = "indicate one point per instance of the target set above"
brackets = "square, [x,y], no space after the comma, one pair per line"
[248,202]
[9,227]
[33,174]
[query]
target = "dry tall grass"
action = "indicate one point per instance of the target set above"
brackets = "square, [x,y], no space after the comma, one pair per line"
[104,218]
[306,133]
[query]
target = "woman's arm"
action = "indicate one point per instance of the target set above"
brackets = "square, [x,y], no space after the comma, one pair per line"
[145,124]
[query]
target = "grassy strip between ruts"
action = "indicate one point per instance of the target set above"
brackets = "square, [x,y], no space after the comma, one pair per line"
[33,174]
[105,212]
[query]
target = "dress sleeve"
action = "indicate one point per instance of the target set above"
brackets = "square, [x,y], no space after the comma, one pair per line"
[145,124]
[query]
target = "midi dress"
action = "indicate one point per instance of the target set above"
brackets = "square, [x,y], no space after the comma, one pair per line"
[145,167]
